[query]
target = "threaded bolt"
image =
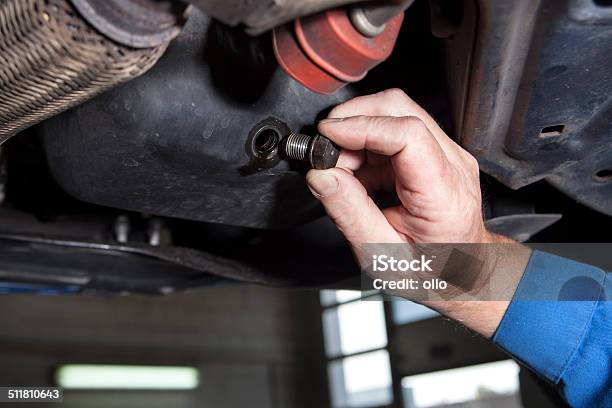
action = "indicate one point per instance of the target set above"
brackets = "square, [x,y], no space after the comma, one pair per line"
[319,151]
[296,146]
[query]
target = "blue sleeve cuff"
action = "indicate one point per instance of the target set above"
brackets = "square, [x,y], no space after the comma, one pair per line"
[549,313]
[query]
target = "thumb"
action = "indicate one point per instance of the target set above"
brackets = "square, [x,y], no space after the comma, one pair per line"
[347,203]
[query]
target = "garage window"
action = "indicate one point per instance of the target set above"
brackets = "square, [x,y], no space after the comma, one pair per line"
[355,344]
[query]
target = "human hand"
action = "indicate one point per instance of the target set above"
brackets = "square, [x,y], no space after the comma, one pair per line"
[390,143]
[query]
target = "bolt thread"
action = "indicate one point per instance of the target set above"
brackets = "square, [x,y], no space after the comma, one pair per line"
[296,146]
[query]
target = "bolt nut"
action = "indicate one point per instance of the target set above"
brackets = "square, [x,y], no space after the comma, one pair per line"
[323,153]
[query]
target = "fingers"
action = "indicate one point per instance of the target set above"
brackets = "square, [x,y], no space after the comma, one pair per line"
[392,102]
[377,175]
[351,160]
[418,160]
[350,208]
[377,178]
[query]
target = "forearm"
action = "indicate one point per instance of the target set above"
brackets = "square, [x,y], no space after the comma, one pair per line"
[484,316]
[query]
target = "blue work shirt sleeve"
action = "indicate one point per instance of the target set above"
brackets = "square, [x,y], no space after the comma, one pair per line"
[559,324]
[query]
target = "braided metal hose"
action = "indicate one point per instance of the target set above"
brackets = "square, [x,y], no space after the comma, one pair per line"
[51,59]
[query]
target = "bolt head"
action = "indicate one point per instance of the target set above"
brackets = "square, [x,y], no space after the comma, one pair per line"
[324,153]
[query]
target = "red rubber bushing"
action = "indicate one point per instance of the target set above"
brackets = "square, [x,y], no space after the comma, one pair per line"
[324,52]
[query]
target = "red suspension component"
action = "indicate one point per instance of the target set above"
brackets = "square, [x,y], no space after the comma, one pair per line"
[325,52]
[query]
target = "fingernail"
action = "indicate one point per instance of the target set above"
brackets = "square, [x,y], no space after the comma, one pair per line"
[322,185]
[331,120]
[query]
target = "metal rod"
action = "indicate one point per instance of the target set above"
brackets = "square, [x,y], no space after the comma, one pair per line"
[379,12]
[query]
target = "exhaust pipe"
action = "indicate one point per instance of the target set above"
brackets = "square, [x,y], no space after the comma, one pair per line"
[56,54]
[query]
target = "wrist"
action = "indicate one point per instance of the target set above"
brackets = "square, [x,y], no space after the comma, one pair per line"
[489,237]
[504,263]
[483,317]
